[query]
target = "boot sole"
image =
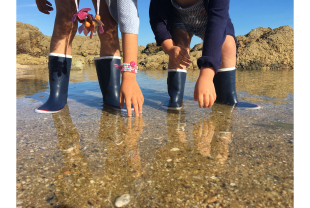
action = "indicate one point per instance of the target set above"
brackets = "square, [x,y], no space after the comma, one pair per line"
[45,111]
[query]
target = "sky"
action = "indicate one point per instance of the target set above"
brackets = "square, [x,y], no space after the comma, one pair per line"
[245,14]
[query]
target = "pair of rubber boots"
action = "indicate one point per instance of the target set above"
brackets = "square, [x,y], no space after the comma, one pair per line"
[224,83]
[59,73]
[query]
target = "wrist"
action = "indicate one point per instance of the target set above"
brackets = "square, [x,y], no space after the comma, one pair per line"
[128,76]
[207,73]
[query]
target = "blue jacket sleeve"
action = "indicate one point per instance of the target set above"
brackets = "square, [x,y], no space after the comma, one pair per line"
[159,15]
[215,34]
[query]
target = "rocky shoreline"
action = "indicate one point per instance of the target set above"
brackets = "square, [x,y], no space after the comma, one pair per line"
[260,49]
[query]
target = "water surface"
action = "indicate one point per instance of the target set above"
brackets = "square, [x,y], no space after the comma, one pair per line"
[87,155]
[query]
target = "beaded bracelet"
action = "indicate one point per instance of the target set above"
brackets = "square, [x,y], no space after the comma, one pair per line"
[127,67]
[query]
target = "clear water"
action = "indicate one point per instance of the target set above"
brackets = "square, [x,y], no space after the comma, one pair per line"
[87,155]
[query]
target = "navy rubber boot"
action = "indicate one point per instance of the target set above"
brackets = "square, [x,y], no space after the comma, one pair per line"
[59,66]
[225,86]
[176,84]
[109,79]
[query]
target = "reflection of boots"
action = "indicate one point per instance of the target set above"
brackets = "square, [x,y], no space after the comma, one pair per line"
[176,84]
[225,87]
[68,136]
[222,117]
[109,79]
[176,125]
[59,72]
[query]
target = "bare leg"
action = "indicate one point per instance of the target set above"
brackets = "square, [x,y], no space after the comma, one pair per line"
[229,52]
[109,38]
[60,65]
[182,39]
[176,69]
[64,30]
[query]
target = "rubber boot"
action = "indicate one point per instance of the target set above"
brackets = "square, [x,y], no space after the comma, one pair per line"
[225,87]
[109,79]
[59,66]
[176,84]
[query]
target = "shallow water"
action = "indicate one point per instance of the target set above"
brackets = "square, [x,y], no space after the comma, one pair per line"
[87,155]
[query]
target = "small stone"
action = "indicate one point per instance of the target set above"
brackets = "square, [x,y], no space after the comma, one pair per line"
[122,200]
[169,160]
[211,199]
[67,172]
[232,184]
[31,151]
[175,149]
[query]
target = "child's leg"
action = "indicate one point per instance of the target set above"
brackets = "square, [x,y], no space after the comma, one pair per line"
[176,72]
[109,38]
[60,57]
[224,80]
[108,75]
[64,30]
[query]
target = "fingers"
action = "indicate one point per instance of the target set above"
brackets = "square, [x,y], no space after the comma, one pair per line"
[44,7]
[121,100]
[200,100]
[206,101]
[140,104]
[135,106]
[128,106]
[49,3]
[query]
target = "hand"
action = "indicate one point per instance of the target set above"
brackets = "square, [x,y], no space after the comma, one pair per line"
[179,56]
[44,6]
[131,92]
[203,136]
[204,88]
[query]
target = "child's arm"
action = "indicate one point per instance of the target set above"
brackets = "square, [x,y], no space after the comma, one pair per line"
[216,30]
[204,89]
[130,90]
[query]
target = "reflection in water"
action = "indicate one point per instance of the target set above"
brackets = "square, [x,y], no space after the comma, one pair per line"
[179,168]
[75,183]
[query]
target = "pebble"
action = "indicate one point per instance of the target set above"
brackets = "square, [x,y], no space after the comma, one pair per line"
[232,184]
[211,199]
[169,160]
[175,149]
[122,200]
[67,172]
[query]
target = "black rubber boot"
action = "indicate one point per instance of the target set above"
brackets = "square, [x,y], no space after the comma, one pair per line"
[59,66]
[225,86]
[109,79]
[176,84]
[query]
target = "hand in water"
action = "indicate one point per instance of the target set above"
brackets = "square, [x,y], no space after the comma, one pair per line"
[130,92]
[204,88]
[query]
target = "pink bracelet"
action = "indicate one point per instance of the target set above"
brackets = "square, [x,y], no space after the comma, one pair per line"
[132,67]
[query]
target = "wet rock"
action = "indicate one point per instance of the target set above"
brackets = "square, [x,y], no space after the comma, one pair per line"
[122,200]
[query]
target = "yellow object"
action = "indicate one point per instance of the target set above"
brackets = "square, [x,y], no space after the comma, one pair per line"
[98,16]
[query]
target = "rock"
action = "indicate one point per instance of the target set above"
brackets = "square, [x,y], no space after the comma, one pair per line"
[152,49]
[211,199]
[29,40]
[261,48]
[122,200]
[175,149]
